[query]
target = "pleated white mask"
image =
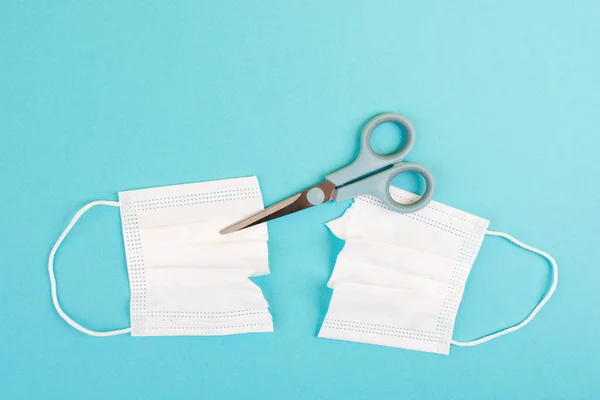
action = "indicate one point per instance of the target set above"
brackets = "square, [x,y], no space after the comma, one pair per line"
[400,278]
[185,278]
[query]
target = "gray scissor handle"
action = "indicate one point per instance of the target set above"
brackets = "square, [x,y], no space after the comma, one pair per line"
[378,185]
[369,161]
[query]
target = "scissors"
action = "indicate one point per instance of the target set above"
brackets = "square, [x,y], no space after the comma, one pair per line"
[370,173]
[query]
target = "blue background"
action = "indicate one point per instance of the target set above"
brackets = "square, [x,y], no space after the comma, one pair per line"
[100,98]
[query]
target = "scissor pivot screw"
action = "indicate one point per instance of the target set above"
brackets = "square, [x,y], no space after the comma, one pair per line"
[315,196]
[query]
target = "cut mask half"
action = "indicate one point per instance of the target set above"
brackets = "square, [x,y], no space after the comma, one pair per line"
[400,278]
[185,277]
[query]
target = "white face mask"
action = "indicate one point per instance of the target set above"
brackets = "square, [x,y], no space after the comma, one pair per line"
[185,277]
[400,278]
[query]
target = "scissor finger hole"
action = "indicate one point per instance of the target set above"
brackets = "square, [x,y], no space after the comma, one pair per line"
[387,138]
[410,181]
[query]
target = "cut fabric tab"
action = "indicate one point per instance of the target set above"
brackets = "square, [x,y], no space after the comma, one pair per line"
[185,277]
[400,278]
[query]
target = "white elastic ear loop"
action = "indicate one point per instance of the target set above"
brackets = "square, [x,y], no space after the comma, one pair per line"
[53,279]
[536,310]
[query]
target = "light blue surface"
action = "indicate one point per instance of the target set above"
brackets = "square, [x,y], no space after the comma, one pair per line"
[505,99]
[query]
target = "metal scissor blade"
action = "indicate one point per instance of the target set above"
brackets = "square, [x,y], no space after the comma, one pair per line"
[319,194]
